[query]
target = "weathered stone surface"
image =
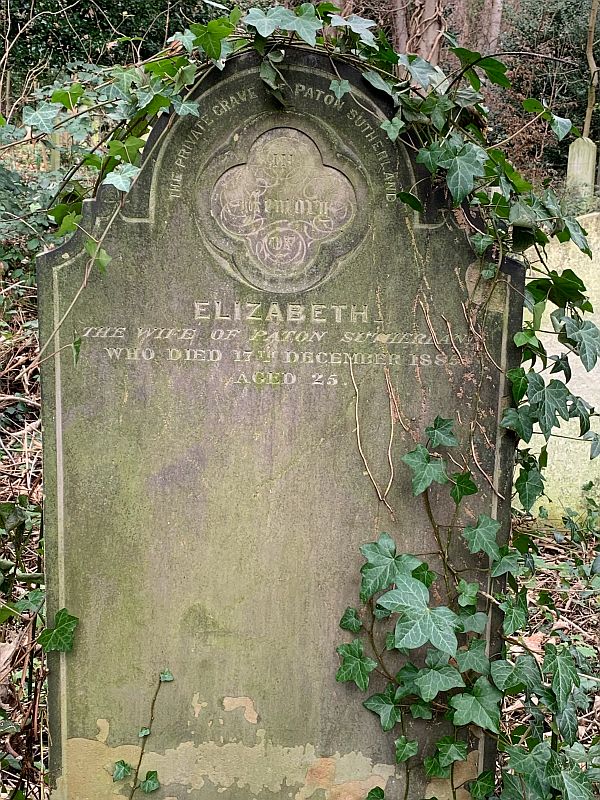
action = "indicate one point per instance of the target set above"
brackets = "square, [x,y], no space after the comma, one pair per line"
[273,322]
[581,167]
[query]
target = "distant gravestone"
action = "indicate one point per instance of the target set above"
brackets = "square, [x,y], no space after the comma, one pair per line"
[581,167]
[275,330]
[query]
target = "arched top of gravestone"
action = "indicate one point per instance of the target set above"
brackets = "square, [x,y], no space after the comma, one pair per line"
[280,191]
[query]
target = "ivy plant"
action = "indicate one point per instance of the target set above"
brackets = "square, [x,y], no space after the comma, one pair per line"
[433,662]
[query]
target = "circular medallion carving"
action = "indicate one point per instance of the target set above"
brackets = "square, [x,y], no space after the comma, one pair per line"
[285,216]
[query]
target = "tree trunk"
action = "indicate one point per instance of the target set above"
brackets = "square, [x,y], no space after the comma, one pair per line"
[591,99]
[418,27]
[490,26]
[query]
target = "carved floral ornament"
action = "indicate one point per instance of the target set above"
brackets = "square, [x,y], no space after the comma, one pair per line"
[281,208]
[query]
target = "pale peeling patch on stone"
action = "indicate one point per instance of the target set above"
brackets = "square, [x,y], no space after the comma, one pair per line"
[263,766]
[103,730]
[347,777]
[479,289]
[441,788]
[90,763]
[197,705]
[250,713]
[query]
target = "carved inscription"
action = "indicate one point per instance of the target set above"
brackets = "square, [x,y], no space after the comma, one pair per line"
[278,344]
[283,204]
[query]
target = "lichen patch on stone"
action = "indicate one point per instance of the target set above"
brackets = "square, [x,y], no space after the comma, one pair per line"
[263,766]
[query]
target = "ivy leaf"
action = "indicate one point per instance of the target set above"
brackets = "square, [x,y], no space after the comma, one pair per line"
[594,438]
[577,785]
[393,127]
[122,176]
[358,25]
[481,242]
[528,762]
[506,676]
[376,794]
[463,486]
[306,24]
[566,719]
[526,338]
[405,677]
[121,770]
[560,126]
[586,337]
[559,662]
[150,782]
[482,538]
[270,75]
[378,82]
[426,469]
[473,623]
[509,563]
[519,420]
[32,602]
[426,74]
[405,749]
[350,620]
[483,786]
[98,255]
[61,636]
[355,665]
[518,380]
[435,679]
[127,150]
[411,200]
[143,732]
[417,626]
[580,409]
[441,433]
[382,566]
[474,658]
[515,613]
[41,119]
[185,108]
[466,165]
[577,235]
[480,706]
[186,38]
[433,768]
[421,711]
[424,574]
[340,88]
[431,156]
[467,593]
[385,706]
[529,486]
[529,673]
[449,750]
[68,97]
[266,24]
[166,676]
[562,365]
[408,594]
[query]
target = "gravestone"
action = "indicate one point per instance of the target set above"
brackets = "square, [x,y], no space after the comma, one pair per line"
[275,330]
[581,167]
